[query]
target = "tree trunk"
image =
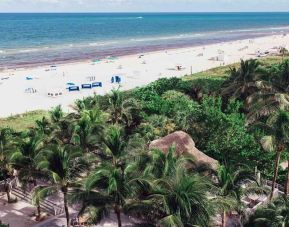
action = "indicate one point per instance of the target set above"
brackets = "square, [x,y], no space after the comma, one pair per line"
[8,195]
[117,212]
[287,180]
[115,117]
[276,167]
[7,190]
[224,219]
[38,210]
[66,207]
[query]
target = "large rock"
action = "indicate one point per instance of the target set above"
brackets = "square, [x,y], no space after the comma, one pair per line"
[184,145]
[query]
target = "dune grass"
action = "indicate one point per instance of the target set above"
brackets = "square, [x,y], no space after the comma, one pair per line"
[222,71]
[23,121]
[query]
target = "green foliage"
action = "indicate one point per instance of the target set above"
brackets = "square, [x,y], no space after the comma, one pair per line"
[276,214]
[221,132]
[180,195]
[150,95]
[22,121]
[89,128]
[176,103]
[24,157]
[56,114]
[6,146]
[3,225]
[156,126]
[98,155]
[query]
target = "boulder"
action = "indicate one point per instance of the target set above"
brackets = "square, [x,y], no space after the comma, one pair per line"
[184,145]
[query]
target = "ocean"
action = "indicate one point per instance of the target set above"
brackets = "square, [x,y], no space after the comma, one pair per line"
[48,38]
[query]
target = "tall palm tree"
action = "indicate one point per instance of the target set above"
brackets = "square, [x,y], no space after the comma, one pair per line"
[266,104]
[39,194]
[182,200]
[6,147]
[88,130]
[267,101]
[112,182]
[283,52]
[24,158]
[63,164]
[277,126]
[245,80]
[63,130]
[177,195]
[109,188]
[122,110]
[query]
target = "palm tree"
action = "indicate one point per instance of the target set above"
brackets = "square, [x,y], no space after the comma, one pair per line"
[245,80]
[63,164]
[182,200]
[277,126]
[177,200]
[63,130]
[87,103]
[38,195]
[43,126]
[230,187]
[112,182]
[6,147]
[176,196]
[267,104]
[160,164]
[283,51]
[56,114]
[122,110]
[88,130]
[281,76]
[109,188]
[24,158]
[276,97]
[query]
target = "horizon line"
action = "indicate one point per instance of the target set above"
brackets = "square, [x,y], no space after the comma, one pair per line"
[76,12]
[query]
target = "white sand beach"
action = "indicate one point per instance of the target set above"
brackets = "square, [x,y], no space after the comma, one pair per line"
[17,86]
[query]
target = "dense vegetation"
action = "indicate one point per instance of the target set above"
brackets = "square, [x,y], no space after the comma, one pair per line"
[98,156]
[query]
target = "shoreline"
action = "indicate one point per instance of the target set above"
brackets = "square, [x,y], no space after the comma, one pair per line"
[17,86]
[128,51]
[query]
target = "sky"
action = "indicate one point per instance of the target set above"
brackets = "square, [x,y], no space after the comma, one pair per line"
[143,5]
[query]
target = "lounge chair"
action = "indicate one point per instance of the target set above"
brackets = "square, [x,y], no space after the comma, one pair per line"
[86,86]
[73,88]
[96,84]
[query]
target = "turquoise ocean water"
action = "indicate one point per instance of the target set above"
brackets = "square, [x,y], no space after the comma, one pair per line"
[31,39]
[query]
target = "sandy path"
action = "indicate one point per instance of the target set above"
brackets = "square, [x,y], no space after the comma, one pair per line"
[16,214]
